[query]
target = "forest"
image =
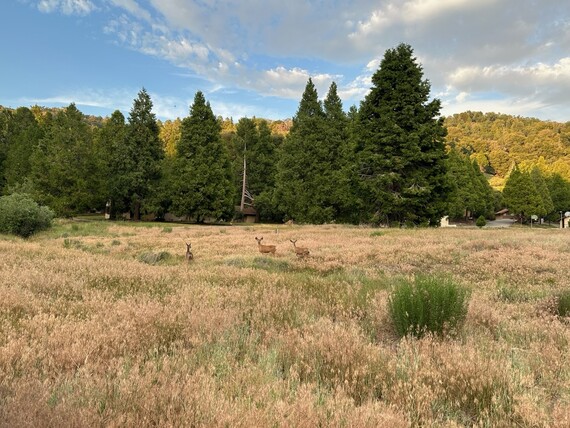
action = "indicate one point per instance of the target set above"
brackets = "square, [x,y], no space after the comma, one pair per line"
[393,160]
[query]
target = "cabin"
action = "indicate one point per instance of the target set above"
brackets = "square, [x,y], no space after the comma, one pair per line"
[250,215]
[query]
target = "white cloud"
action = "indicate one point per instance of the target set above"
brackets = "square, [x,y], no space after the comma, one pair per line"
[548,83]
[67,7]
[133,8]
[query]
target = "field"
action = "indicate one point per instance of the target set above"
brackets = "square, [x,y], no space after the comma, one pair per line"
[105,324]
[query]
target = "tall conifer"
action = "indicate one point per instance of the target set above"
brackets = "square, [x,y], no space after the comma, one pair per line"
[202,183]
[400,143]
[136,166]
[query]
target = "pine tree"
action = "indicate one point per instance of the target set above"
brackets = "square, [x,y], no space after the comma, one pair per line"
[559,190]
[521,196]
[400,144]
[542,188]
[22,135]
[4,121]
[136,169]
[338,162]
[63,165]
[298,162]
[110,140]
[312,184]
[202,186]
[254,140]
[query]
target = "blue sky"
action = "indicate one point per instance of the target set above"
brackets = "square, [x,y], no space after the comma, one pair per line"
[253,57]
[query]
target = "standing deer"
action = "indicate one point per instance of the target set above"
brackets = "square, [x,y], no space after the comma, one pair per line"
[300,251]
[265,249]
[189,256]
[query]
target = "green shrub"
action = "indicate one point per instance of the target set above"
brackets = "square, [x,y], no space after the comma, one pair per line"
[21,215]
[480,221]
[563,304]
[151,258]
[429,304]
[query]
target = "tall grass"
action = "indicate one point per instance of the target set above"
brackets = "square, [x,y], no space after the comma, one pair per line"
[98,329]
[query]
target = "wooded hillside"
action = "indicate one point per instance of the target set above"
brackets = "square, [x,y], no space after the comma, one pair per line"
[497,141]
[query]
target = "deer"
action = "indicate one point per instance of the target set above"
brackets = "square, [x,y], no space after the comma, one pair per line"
[189,256]
[300,251]
[265,249]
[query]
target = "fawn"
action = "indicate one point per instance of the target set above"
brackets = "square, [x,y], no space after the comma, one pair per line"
[265,249]
[300,251]
[189,256]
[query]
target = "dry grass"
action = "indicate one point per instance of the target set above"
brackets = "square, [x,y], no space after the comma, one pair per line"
[107,325]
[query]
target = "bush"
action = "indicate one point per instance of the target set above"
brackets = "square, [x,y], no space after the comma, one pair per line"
[480,221]
[21,215]
[428,305]
[151,258]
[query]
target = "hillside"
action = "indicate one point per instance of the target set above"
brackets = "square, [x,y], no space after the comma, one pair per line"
[498,140]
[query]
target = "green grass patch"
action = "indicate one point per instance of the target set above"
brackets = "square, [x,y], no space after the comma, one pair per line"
[563,304]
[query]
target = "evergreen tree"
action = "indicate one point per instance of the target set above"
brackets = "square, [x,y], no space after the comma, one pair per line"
[109,143]
[136,166]
[244,142]
[559,190]
[253,138]
[63,165]
[337,160]
[486,205]
[22,135]
[521,196]
[298,162]
[470,193]
[202,186]
[400,144]
[263,160]
[311,184]
[4,121]
[542,188]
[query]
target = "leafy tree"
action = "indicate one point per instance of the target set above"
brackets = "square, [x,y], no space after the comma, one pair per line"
[400,144]
[521,196]
[170,135]
[136,166]
[202,186]
[63,166]
[506,139]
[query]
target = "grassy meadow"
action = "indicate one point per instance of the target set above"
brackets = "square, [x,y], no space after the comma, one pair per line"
[105,324]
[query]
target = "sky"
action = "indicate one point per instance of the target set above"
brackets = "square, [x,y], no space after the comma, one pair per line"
[254,57]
